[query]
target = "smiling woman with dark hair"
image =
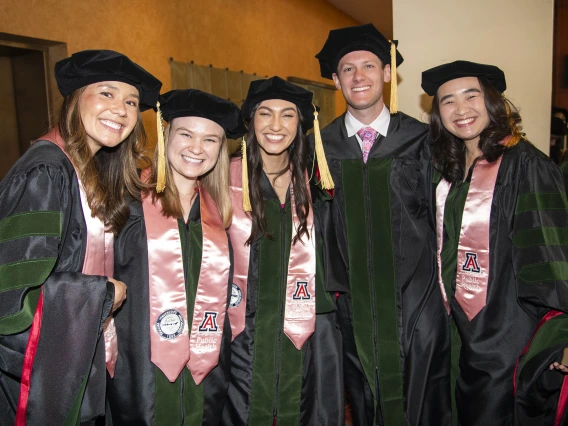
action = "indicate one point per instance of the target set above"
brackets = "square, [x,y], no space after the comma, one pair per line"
[286,364]
[502,227]
[60,206]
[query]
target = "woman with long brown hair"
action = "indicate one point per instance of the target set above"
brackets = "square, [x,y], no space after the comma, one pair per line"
[60,206]
[502,222]
[175,252]
[286,354]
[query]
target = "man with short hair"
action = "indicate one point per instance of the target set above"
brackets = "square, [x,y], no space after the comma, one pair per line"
[394,325]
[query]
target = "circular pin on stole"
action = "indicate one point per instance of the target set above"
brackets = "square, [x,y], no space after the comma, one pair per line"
[170,324]
[236,296]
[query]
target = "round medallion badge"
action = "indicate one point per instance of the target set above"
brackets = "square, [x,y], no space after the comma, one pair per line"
[170,324]
[236,296]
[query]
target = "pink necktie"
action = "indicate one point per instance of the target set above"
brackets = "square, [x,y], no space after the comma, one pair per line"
[368,136]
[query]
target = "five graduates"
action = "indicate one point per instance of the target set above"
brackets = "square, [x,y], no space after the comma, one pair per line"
[415,276]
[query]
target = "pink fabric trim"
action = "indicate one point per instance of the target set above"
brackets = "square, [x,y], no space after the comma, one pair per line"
[442,191]
[562,402]
[239,231]
[168,303]
[473,250]
[300,310]
[28,364]
[299,317]
[211,298]
[99,255]
[169,339]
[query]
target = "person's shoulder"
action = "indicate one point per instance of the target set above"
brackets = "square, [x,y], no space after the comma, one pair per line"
[45,153]
[526,152]
[42,158]
[406,123]
[333,128]
[526,160]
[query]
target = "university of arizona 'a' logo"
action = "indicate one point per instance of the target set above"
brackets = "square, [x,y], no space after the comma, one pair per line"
[470,263]
[209,322]
[301,292]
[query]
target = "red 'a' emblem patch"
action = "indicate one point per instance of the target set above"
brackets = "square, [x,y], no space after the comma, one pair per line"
[209,322]
[470,263]
[301,292]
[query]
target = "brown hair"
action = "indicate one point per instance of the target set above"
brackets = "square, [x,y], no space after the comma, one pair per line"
[298,151]
[111,173]
[215,182]
[448,151]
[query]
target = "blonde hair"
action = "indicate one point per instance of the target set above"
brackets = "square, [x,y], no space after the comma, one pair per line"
[215,182]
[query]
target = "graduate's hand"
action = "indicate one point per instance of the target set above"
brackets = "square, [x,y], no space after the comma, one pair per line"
[119,293]
[561,366]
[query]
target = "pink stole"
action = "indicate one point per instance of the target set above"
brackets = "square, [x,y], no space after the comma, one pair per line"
[171,347]
[239,231]
[473,260]
[300,307]
[99,254]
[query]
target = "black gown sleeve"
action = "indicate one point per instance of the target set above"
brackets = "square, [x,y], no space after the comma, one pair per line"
[131,391]
[540,262]
[42,246]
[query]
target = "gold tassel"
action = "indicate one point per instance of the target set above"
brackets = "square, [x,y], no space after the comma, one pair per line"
[394,82]
[161,180]
[325,175]
[245,179]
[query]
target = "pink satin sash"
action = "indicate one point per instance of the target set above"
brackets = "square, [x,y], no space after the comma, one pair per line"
[239,231]
[442,191]
[211,298]
[99,254]
[473,261]
[171,347]
[300,311]
[169,339]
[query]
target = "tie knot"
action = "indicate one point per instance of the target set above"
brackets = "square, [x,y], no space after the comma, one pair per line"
[367,134]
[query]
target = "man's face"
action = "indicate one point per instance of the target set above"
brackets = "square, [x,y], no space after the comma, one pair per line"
[360,77]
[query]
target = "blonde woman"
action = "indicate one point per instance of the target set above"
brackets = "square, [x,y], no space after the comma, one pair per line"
[174,367]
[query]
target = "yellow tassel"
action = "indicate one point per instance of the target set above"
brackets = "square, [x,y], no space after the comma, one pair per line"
[394,83]
[161,180]
[325,175]
[245,179]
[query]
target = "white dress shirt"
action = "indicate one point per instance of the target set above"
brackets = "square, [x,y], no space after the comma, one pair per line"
[380,124]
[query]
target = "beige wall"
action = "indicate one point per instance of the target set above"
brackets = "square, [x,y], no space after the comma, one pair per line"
[267,37]
[515,35]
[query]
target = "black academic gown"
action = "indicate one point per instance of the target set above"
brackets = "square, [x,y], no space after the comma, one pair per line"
[527,278]
[270,378]
[42,248]
[140,394]
[394,327]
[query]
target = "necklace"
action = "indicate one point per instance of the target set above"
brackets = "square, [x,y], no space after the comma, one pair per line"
[189,193]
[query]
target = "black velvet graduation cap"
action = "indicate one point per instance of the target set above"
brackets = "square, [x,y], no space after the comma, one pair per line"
[91,66]
[345,40]
[277,88]
[433,78]
[195,103]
